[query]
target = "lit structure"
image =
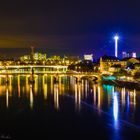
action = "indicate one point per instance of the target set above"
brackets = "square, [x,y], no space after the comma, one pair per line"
[88,57]
[25,58]
[129,54]
[32,53]
[71,60]
[106,62]
[39,56]
[34,56]
[134,54]
[125,54]
[116,37]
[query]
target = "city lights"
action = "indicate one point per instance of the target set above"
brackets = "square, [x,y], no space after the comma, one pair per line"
[69,69]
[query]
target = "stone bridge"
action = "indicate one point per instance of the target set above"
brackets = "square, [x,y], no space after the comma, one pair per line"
[56,71]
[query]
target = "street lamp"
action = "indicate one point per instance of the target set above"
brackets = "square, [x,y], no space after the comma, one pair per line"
[116,37]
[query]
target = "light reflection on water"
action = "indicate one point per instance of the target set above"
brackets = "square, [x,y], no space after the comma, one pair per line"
[115,109]
[56,96]
[78,96]
[31,97]
[7,96]
[117,102]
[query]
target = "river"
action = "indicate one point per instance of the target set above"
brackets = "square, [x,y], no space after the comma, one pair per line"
[67,109]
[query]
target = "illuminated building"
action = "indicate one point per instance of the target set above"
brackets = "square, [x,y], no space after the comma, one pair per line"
[53,60]
[25,58]
[33,57]
[36,57]
[7,62]
[134,54]
[131,64]
[55,57]
[106,62]
[67,60]
[39,56]
[125,54]
[115,68]
[88,57]
[129,60]
[128,54]
[137,67]
[110,64]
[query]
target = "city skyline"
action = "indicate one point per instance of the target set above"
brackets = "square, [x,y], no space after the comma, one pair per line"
[58,27]
[70,69]
[18,52]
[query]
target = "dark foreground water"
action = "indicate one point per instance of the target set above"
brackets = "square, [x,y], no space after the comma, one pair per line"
[66,110]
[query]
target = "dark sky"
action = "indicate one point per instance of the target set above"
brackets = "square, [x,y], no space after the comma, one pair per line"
[69,27]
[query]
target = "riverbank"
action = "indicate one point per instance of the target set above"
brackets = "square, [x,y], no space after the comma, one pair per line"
[129,85]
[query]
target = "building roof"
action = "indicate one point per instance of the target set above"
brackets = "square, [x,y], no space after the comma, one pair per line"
[107,58]
[128,58]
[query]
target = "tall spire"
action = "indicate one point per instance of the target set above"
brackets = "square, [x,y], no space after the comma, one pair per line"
[32,53]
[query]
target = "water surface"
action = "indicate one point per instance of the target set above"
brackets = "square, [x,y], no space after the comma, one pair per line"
[67,109]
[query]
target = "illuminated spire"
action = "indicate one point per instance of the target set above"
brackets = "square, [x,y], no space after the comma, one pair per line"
[32,53]
[116,37]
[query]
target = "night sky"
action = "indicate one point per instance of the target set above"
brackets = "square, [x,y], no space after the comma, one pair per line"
[71,27]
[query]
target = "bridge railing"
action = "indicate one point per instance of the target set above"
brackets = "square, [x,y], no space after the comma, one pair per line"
[28,72]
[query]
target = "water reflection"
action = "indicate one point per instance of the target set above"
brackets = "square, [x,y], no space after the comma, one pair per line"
[94,94]
[45,87]
[56,96]
[134,99]
[86,88]
[31,96]
[52,82]
[127,103]
[120,103]
[10,84]
[97,94]
[78,96]
[123,97]
[36,85]
[18,86]
[7,96]
[115,109]
[99,97]
[60,84]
